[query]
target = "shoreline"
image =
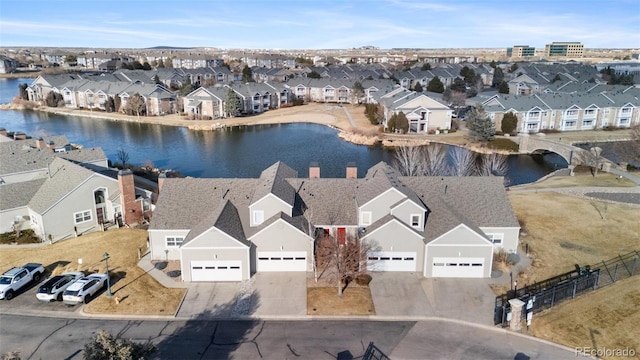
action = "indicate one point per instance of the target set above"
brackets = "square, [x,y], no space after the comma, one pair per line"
[315,113]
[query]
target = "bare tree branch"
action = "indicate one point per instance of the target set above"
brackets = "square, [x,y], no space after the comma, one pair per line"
[463,162]
[493,164]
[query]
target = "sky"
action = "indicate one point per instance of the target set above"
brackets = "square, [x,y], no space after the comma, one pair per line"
[318,24]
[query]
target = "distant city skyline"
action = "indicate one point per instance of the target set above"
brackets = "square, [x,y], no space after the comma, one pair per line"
[328,24]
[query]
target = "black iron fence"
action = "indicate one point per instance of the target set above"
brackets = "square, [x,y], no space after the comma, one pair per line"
[374,353]
[547,293]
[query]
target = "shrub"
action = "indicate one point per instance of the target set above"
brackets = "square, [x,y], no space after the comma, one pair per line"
[503,144]
[363,279]
[105,346]
[26,237]
[550,131]
[509,123]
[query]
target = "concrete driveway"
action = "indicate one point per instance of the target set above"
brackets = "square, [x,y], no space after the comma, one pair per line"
[409,294]
[264,295]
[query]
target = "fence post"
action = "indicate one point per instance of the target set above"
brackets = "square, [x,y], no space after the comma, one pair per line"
[625,265]
[595,283]
[615,273]
[575,285]
[633,268]
[553,296]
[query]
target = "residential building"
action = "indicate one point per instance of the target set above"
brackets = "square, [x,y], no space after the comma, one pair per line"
[229,229]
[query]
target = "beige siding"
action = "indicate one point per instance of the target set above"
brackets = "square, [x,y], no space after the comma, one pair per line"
[485,252]
[281,236]
[212,254]
[271,205]
[379,206]
[394,236]
[158,244]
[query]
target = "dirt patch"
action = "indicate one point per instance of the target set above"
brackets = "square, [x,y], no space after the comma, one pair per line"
[139,293]
[325,301]
[606,318]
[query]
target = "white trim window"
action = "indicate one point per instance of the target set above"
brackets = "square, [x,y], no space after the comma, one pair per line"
[416,220]
[174,241]
[496,239]
[365,218]
[258,217]
[82,216]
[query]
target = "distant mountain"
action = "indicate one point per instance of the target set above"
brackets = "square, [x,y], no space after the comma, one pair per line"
[168,48]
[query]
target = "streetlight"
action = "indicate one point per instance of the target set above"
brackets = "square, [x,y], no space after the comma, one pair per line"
[105,258]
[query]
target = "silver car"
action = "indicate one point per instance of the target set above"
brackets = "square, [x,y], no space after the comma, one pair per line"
[83,289]
[53,288]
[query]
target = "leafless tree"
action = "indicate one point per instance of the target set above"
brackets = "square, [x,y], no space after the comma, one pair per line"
[421,160]
[458,99]
[123,156]
[592,158]
[463,162]
[135,105]
[409,160]
[493,164]
[342,262]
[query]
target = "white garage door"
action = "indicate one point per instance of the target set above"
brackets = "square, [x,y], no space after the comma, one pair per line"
[391,261]
[216,271]
[282,261]
[458,267]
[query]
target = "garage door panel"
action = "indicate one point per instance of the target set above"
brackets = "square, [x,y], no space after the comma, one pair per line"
[391,261]
[458,267]
[270,261]
[216,271]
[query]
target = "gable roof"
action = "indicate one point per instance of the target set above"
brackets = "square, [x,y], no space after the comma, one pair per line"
[19,194]
[64,176]
[224,218]
[272,181]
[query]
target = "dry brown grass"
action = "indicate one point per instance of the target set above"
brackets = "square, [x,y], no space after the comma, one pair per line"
[562,231]
[582,179]
[140,293]
[607,317]
[325,301]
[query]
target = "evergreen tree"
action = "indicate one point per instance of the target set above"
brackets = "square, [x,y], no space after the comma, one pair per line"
[160,63]
[358,91]
[459,85]
[146,66]
[426,67]
[402,123]
[24,95]
[509,123]
[493,64]
[417,87]
[247,74]
[435,85]
[156,80]
[110,105]
[503,88]
[391,124]
[513,68]
[314,75]
[233,104]
[498,77]
[480,125]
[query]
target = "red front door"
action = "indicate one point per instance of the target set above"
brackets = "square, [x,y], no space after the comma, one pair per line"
[342,236]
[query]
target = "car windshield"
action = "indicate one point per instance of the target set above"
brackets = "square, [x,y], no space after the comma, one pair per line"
[72,292]
[5,280]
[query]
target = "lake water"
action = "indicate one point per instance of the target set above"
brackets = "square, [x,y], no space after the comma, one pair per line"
[237,153]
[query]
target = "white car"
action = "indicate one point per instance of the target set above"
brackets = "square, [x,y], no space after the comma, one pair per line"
[53,288]
[84,288]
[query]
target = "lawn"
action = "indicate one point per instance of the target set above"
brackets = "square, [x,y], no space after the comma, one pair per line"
[325,301]
[563,230]
[140,294]
[582,179]
[606,318]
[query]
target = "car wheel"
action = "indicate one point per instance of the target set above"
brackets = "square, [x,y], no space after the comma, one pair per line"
[8,295]
[87,298]
[59,297]
[36,277]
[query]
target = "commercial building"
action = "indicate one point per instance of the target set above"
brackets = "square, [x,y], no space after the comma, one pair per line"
[521,51]
[565,49]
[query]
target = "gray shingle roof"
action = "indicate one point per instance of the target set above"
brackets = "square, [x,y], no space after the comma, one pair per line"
[273,181]
[225,218]
[64,177]
[22,155]
[330,201]
[18,194]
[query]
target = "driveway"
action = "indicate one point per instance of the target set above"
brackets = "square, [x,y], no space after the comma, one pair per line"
[264,295]
[409,294]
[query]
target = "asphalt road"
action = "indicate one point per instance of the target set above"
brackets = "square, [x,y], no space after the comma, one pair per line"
[57,338]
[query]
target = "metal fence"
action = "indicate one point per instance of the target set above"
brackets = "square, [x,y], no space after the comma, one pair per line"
[374,353]
[547,293]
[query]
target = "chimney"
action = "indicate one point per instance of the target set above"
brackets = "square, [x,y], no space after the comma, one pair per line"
[19,136]
[352,170]
[40,143]
[161,178]
[314,170]
[131,210]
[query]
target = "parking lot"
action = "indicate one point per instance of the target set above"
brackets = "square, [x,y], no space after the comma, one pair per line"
[25,299]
